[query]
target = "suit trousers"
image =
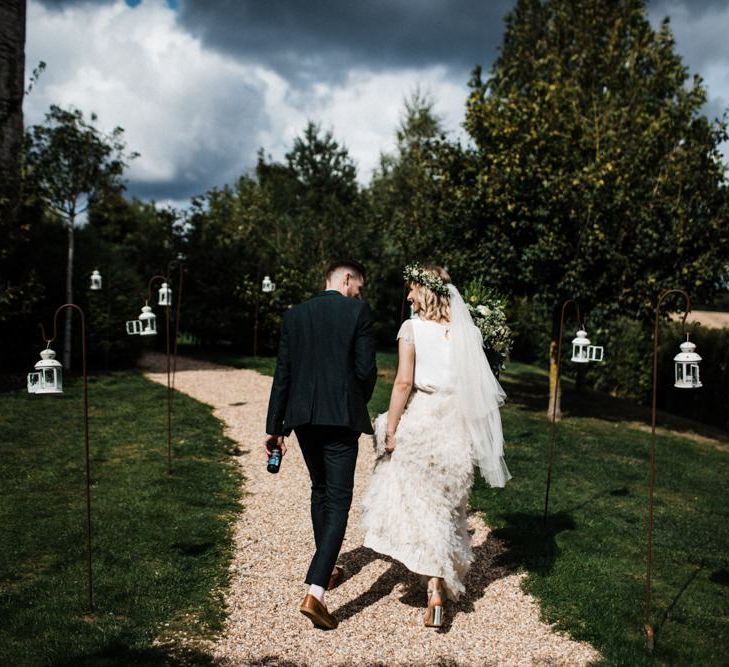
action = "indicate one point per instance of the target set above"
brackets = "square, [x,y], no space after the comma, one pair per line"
[330,453]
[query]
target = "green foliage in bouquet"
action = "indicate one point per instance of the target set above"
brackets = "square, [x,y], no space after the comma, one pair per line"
[488,310]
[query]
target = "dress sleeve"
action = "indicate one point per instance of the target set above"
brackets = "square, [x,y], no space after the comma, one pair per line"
[406,332]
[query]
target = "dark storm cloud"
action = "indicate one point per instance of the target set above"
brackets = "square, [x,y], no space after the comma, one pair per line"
[700,28]
[62,4]
[321,39]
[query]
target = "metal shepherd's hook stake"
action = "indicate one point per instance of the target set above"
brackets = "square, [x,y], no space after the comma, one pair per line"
[48,341]
[553,430]
[648,627]
[177,313]
[165,279]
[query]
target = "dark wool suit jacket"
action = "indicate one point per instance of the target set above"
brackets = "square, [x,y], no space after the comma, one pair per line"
[326,369]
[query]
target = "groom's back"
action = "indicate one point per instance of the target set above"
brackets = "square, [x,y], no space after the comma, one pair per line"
[326,368]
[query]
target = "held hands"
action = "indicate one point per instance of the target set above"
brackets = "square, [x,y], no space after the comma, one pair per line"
[272,440]
[390,442]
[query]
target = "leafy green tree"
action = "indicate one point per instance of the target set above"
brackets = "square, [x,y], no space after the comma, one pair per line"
[12,74]
[221,244]
[70,162]
[403,192]
[315,210]
[327,207]
[597,176]
[406,204]
[286,222]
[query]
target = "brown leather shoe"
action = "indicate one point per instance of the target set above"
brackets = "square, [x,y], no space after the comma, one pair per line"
[317,613]
[336,578]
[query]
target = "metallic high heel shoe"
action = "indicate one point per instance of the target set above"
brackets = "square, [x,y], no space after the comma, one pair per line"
[434,614]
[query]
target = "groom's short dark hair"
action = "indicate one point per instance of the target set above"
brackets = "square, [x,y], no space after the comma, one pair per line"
[352,264]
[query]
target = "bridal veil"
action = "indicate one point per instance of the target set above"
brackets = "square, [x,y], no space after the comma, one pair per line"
[479,393]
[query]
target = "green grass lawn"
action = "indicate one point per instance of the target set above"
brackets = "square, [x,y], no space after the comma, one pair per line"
[227,357]
[161,545]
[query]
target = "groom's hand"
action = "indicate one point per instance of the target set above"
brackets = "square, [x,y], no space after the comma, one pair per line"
[272,440]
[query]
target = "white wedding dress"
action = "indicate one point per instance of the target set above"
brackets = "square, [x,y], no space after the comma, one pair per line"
[415,509]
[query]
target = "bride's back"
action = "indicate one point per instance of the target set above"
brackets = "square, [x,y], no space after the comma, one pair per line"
[433,367]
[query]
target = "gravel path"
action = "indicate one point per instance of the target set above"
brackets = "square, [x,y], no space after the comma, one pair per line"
[380,605]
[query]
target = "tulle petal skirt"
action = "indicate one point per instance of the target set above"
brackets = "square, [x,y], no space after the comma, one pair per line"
[415,509]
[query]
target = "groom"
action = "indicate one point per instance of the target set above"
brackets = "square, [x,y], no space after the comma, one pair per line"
[324,378]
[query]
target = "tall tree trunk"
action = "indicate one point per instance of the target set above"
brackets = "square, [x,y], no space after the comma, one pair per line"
[554,409]
[555,390]
[69,298]
[12,75]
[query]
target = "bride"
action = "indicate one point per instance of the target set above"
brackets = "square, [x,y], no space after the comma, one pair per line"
[443,418]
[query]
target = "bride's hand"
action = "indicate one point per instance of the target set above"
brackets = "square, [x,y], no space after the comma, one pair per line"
[390,443]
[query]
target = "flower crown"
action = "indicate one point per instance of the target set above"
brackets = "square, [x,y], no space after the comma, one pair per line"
[414,273]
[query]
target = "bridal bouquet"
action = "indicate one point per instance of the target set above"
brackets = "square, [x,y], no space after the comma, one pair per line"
[488,310]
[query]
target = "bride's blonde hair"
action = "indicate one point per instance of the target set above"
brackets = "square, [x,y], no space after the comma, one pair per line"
[433,306]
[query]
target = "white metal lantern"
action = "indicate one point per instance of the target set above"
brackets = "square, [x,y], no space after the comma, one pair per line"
[686,363]
[149,322]
[95,284]
[165,295]
[48,378]
[580,348]
[146,325]
[583,352]
[267,286]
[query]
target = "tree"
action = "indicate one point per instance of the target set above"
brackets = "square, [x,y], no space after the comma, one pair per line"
[404,193]
[316,210]
[287,222]
[406,198]
[12,74]
[70,162]
[598,177]
[19,285]
[327,206]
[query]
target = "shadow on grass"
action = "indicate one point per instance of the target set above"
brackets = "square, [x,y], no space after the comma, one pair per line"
[530,390]
[193,548]
[117,654]
[666,616]
[528,542]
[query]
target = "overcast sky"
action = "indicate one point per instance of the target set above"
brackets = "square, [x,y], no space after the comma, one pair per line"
[201,85]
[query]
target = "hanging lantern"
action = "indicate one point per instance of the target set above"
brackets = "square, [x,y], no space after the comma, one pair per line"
[165,295]
[95,283]
[146,325]
[686,363]
[149,322]
[267,286]
[580,348]
[48,378]
[583,352]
